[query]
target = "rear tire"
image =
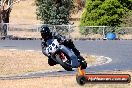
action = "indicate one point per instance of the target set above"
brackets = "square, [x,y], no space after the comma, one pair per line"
[83,63]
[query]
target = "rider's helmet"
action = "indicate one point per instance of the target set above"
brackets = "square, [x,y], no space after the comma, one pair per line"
[45,32]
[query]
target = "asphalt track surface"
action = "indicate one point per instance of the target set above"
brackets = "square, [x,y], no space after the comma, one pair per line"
[119,50]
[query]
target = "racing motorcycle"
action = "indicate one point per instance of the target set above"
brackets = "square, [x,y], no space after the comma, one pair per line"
[62,55]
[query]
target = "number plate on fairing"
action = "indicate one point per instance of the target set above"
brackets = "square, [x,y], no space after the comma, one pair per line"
[52,46]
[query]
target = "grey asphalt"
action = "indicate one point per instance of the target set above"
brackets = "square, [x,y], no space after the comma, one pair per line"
[119,50]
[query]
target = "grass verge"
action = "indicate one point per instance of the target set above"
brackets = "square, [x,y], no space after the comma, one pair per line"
[20,61]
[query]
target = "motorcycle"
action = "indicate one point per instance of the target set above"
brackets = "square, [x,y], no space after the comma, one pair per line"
[62,55]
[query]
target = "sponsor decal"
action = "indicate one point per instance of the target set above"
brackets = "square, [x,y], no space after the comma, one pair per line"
[83,78]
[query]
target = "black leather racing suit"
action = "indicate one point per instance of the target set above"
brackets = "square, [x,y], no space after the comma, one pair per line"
[66,42]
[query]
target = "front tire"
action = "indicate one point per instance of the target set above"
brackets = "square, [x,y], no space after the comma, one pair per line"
[51,62]
[65,65]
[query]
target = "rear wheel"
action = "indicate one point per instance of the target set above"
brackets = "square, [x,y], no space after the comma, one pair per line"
[64,61]
[83,63]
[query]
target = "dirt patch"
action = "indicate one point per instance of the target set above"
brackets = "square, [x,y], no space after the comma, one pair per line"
[126,36]
[24,12]
[59,82]
[13,62]
[20,61]
[23,34]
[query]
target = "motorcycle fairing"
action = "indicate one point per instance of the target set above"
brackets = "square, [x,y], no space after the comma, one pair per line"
[74,60]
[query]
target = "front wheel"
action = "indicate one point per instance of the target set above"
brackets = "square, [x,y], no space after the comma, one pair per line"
[64,61]
[51,62]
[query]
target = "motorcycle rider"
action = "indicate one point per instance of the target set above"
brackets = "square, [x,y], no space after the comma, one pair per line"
[47,34]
